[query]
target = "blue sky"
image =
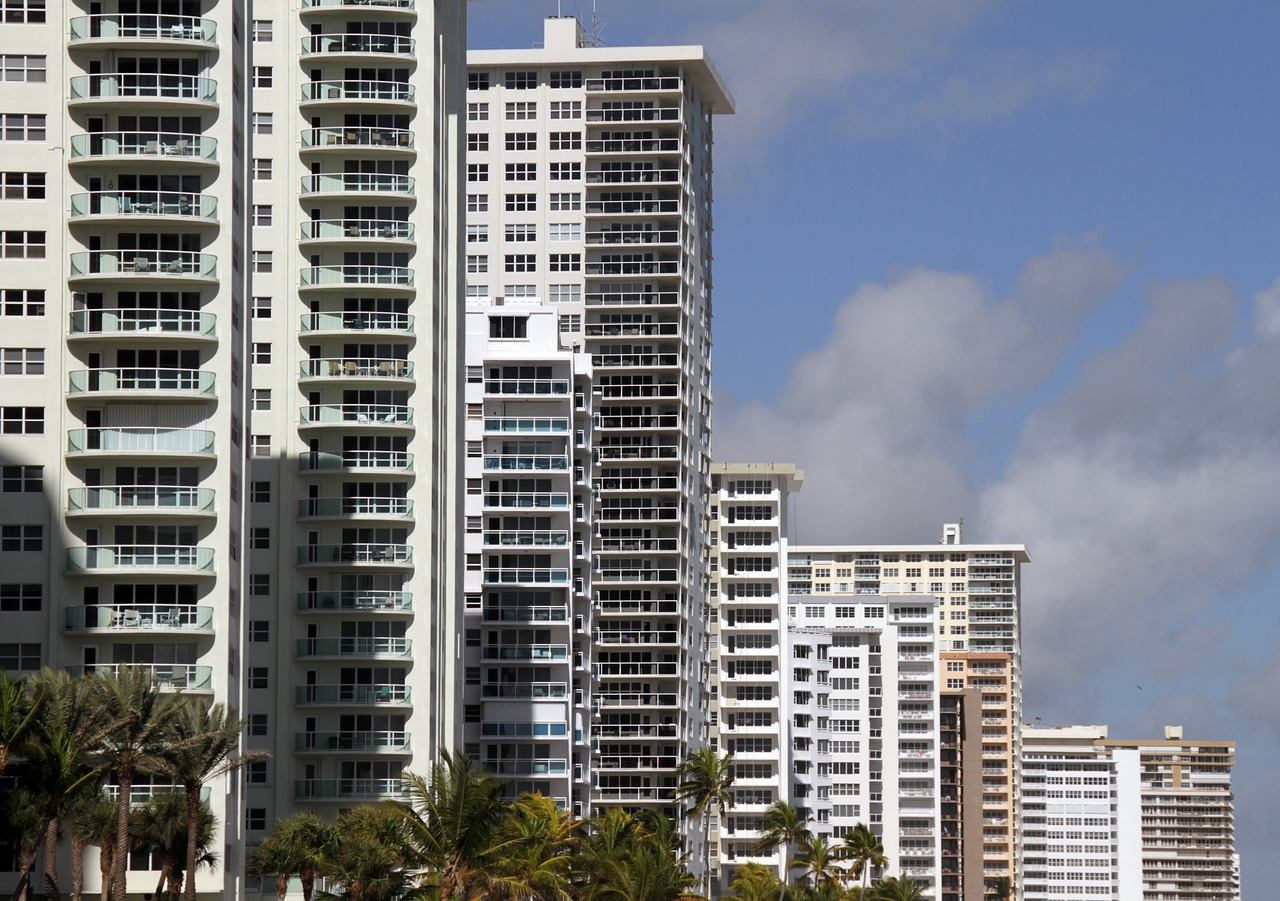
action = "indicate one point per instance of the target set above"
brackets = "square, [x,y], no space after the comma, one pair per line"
[1016,262]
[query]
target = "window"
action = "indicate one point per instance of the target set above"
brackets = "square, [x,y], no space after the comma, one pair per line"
[565,202]
[260,492]
[520,81]
[566,109]
[260,585]
[259,631]
[260,538]
[258,677]
[258,724]
[508,327]
[565,262]
[521,203]
[522,232]
[18,68]
[564,293]
[262,169]
[21,479]
[22,245]
[255,819]
[262,215]
[521,140]
[478,81]
[477,263]
[477,141]
[30,12]
[566,79]
[262,31]
[260,352]
[23,657]
[570,323]
[260,445]
[565,171]
[566,140]
[23,126]
[261,308]
[21,539]
[262,77]
[22,302]
[262,261]
[564,231]
[477,291]
[21,420]
[522,111]
[477,234]
[16,598]
[263,123]
[477,112]
[477,172]
[518,291]
[21,361]
[522,171]
[22,185]
[256,772]
[477,203]
[520,262]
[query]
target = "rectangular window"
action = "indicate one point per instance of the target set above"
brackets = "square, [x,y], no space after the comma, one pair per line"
[477,141]
[22,185]
[478,81]
[508,327]
[29,12]
[21,479]
[477,172]
[565,171]
[564,293]
[522,171]
[520,262]
[23,69]
[22,420]
[522,232]
[22,245]
[262,169]
[260,492]
[260,353]
[477,263]
[477,234]
[259,677]
[260,585]
[260,538]
[255,818]
[256,772]
[22,539]
[522,111]
[258,724]
[21,361]
[521,140]
[477,291]
[260,445]
[261,398]
[566,109]
[564,202]
[23,126]
[262,215]
[263,31]
[521,203]
[261,307]
[263,123]
[262,76]
[23,657]
[22,302]
[21,598]
[570,323]
[520,81]
[477,112]
[565,79]
[564,231]
[477,203]
[262,261]
[566,140]
[519,291]
[565,262]
[259,631]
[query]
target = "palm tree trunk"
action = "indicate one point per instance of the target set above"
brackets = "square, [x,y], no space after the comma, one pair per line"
[308,879]
[51,892]
[77,866]
[706,852]
[106,856]
[120,860]
[193,837]
[164,877]
[26,860]
[282,885]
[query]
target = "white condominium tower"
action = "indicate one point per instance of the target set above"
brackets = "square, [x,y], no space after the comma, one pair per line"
[230,305]
[589,187]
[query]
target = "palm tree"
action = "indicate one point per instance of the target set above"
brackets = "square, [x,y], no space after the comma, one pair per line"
[96,822]
[1001,887]
[705,782]
[818,859]
[896,889]
[161,828]
[609,838]
[296,848]
[137,715]
[24,820]
[782,824]
[202,743]
[755,882]
[370,858]
[535,847]
[453,818]
[650,873]
[19,706]
[866,851]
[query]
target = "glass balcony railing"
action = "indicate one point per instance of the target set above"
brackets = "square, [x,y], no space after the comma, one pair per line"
[526,386]
[182,381]
[345,789]
[144,27]
[399,323]
[355,367]
[140,439]
[354,600]
[507,462]
[395,461]
[357,183]
[356,230]
[140,498]
[131,86]
[166,145]
[524,690]
[167,676]
[358,136]
[363,5]
[150,263]
[144,203]
[181,557]
[341,276]
[160,617]
[355,414]
[526,652]
[530,538]
[354,647]
[357,43]
[351,741]
[351,694]
[527,424]
[507,614]
[535,767]
[350,90]
[355,506]
[178,323]
[522,499]
[526,575]
[355,553]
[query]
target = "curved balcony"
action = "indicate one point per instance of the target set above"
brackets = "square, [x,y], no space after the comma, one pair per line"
[526,462]
[355,368]
[129,559]
[387,278]
[341,323]
[140,618]
[348,415]
[187,207]
[379,742]
[362,93]
[167,676]
[378,694]
[144,146]
[115,500]
[144,384]
[399,556]
[372,462]
[128,89]
[143,323]
[354,647]
[357,507]
[133,440]
[408,7]
[347,231]
[339,45]
[359,601]
[345,139]
[359,183]
[149,31]
[152,265]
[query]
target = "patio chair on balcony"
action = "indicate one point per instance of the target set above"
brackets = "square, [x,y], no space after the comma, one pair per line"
[335,368]
[352,368]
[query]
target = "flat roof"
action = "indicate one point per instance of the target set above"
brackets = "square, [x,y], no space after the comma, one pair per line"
[1017,550]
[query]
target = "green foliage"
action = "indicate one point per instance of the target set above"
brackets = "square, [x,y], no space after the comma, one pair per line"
[754,882]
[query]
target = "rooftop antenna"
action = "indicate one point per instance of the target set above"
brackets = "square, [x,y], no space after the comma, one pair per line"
[595,36]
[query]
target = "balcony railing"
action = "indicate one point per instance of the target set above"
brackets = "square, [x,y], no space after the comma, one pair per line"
[181,557]
[526,575]
[184,381]
[609,238]
[628,84]
[522,499]
[140,498]
[354,506]
[555,462]
[345,91]
[355,600]
[354,647]
[388,138]
[351,694]
[633,267]
[356,367]
[632,299]
[644,114]
[606,636]
[357,183]
[340,276]
[351,741]
[356,414]
[167,676]
[188,323]
[525,387]
[499,614]
[526,652]
[163,145]
[159,617]
[166,263]
[140,439]
[534,767]
[363,5]
[397,461]
[144,86]
[637,575]
[526,424]
[632,176]
[399,323]
[144,27]
[655,452]
[624,207]
[144,203]
[342,789]
[635,145]
[357,43]
[524,690]
[513,538]
[356,230]
[355,553]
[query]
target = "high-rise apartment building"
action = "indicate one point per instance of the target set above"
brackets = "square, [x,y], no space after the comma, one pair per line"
[588,186]
[231,373]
